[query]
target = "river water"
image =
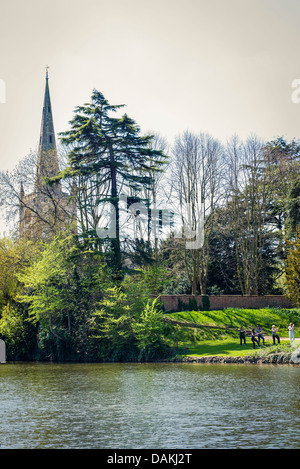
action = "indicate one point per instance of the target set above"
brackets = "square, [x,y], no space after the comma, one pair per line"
[146,406]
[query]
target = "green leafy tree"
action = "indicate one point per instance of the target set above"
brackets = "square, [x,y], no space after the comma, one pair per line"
[113,321]
[19,334]
[15,330]
[293,208]
[293,270]
[61,288]
[154,278]
[15,255]
[129,328]
[45,281]
[282,164]
[150,332]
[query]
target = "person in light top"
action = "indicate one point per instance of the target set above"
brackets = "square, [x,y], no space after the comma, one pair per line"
[291,333]
[275,335]
[260,335]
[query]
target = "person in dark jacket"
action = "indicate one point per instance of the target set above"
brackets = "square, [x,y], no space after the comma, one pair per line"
[259,335]
[254,339]
[242,336]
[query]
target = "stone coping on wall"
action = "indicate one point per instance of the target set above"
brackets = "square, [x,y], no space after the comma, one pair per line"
[215,302]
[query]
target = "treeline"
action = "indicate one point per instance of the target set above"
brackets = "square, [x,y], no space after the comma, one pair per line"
[195,217]
[249,194]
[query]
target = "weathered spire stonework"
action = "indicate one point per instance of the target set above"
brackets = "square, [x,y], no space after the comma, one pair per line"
[48,209]
[47,165]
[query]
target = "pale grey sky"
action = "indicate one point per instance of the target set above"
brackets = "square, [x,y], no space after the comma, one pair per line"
[221,66]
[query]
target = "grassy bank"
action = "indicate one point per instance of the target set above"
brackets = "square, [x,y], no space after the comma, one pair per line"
[206,341]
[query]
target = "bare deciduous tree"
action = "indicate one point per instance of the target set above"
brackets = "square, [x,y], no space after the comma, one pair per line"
[196,181]
[26,197]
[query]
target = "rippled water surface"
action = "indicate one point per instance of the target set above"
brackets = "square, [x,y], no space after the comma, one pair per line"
[149,406]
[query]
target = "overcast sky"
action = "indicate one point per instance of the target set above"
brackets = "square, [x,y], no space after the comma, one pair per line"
[221,66]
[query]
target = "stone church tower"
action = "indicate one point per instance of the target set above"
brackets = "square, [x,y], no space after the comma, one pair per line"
[47,210]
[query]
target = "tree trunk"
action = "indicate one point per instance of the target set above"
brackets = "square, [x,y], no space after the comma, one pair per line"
[115,242]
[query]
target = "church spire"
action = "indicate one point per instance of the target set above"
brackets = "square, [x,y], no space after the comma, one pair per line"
[47,164]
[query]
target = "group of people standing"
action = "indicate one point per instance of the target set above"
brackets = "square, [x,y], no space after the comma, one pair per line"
[257,335]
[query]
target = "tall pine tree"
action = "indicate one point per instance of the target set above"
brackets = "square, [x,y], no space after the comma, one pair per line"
[110,152]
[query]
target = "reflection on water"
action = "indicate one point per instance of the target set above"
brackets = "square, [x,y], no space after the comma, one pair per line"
[149,406]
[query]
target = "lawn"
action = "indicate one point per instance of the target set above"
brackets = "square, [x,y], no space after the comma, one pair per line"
[229,347]
[221,342]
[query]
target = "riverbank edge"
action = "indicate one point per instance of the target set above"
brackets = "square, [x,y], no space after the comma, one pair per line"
[292,358]
[281,358]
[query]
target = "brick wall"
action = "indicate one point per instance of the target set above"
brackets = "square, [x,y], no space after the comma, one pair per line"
[172,302]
